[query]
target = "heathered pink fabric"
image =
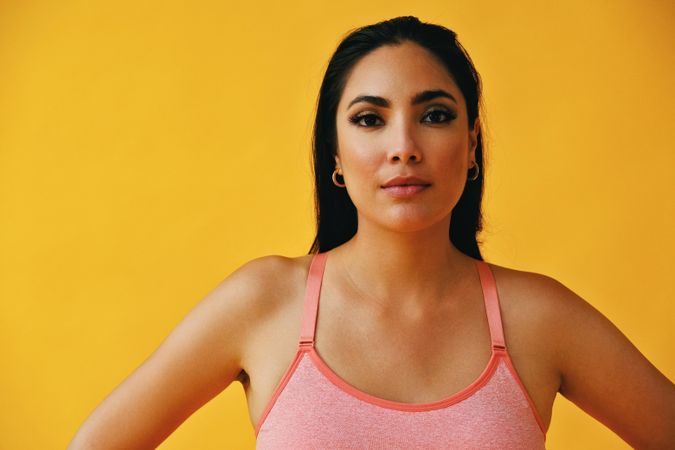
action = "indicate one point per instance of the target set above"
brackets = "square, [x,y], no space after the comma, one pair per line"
[313,408]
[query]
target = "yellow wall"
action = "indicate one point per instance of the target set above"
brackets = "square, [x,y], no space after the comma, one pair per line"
[147,149]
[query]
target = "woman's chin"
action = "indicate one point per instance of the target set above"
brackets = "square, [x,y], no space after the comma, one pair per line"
[409,222]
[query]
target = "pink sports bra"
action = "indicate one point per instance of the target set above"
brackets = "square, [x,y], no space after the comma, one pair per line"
[313,408]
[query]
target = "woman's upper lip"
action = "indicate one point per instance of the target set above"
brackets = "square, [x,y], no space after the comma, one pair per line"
[403,180]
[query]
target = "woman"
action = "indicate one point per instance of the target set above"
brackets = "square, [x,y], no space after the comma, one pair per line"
[418,342]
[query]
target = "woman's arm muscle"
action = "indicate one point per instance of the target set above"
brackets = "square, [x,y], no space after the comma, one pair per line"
[196,361]
[604,374]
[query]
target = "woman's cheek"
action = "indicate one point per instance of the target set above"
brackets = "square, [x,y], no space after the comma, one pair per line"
[364,179]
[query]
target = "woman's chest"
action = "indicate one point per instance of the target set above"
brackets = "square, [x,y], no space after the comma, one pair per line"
[400,361]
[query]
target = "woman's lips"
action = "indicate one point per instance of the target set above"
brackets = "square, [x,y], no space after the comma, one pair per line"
[405,191]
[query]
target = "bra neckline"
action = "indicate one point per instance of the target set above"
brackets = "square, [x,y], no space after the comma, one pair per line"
[456,397]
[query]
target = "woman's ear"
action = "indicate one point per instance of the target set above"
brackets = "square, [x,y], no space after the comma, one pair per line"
[337,163]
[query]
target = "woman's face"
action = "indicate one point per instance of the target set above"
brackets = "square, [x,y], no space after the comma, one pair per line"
[390,136]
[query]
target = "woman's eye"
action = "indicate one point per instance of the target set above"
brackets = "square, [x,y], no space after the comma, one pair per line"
[358,118]
[436,112]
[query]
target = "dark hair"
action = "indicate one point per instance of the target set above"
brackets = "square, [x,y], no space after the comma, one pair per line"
[336,217]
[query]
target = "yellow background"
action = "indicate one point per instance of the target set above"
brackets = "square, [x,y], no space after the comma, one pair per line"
[147,149]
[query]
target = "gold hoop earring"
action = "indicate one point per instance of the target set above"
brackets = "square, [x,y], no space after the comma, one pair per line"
[335,182]
[477,171]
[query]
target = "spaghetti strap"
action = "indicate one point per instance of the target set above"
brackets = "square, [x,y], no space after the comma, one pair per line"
[491,299]
[312,291]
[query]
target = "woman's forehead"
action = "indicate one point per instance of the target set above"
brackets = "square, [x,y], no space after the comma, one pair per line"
[397,73]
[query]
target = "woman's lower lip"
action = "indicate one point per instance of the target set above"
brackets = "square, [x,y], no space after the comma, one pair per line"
[405,191]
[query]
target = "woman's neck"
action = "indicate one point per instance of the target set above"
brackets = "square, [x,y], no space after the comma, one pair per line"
[412,271]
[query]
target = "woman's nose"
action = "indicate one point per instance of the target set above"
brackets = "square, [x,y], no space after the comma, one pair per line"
[403,146]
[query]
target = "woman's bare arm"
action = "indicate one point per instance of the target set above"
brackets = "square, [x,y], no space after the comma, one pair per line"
[604,374]
[196,361]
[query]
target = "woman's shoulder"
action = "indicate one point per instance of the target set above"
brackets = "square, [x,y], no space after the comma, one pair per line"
[270,282]
[544,300]
[279,271]
[541,311]
[534,291]
[537,303]
[274,285]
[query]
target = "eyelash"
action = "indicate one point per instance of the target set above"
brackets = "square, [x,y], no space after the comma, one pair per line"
[358,117]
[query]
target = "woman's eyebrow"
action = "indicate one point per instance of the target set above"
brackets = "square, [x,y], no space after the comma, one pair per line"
[420,97]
